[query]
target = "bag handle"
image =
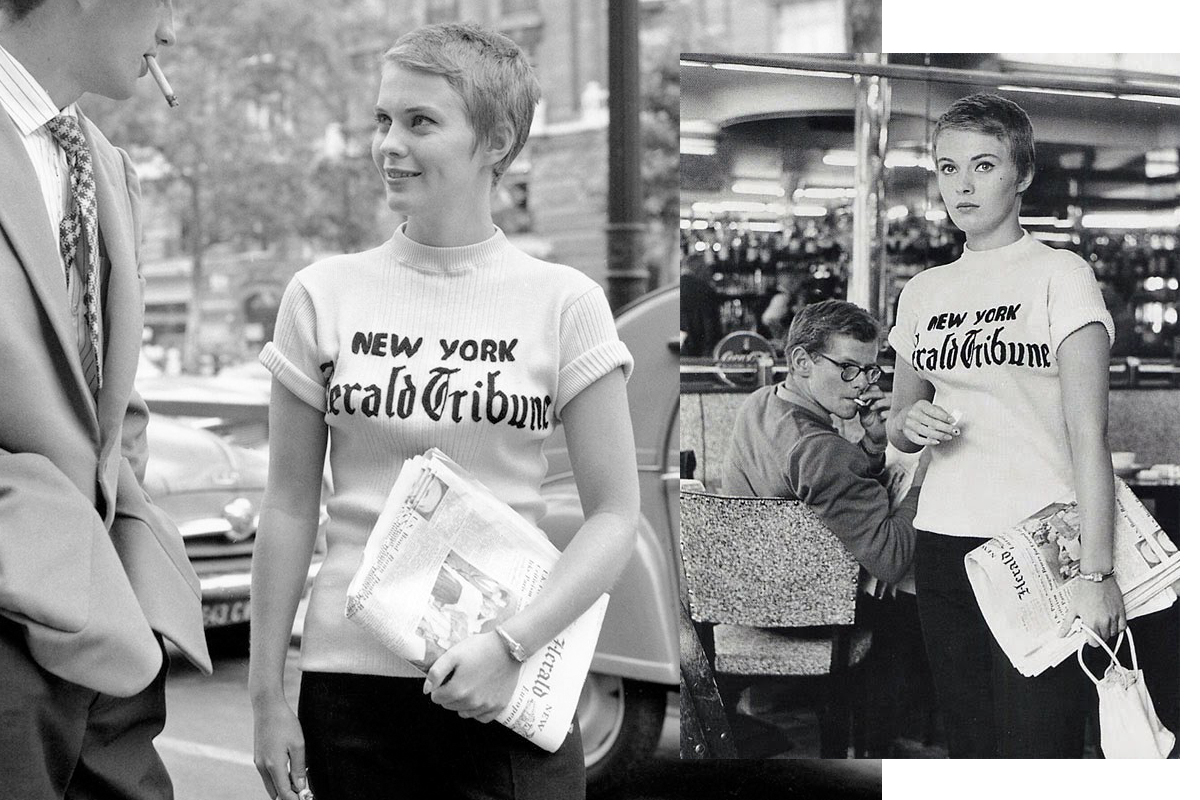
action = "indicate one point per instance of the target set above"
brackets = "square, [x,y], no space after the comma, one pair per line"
[1111,652]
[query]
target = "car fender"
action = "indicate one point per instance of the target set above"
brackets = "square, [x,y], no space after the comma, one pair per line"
[638,639]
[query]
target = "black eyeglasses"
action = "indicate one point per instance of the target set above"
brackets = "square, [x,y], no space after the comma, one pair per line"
[852,371]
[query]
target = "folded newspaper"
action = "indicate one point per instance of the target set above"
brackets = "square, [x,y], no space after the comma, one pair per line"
[446,560]
[1025,579]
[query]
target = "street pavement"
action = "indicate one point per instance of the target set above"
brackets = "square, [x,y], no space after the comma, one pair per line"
[208,748]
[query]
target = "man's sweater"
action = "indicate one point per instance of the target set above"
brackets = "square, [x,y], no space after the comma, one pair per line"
[785,446]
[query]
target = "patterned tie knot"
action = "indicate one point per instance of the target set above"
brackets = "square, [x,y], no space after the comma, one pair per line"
[66,131]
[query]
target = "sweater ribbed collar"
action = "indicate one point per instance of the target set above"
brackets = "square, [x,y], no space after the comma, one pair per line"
[447,259]
[806,404]
[1018,249]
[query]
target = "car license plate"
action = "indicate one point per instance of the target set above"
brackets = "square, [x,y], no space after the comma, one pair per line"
[230,612]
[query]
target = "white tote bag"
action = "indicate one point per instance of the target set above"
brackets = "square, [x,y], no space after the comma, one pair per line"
[1129,726]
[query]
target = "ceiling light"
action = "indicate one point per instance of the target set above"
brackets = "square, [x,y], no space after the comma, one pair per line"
[1067,92]
[745,186]
[697,147]
[907,158]
[773,70]
[1149,98]
[840,158]
[1146,219]
[824,193]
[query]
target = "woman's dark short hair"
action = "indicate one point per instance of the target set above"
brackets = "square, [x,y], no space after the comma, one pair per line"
[812,327]
[996,116]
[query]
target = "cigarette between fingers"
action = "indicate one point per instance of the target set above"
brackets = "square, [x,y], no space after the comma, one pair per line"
[157,73]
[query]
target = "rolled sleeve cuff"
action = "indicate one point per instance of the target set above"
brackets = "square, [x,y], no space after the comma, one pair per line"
[590,367]
[290,376]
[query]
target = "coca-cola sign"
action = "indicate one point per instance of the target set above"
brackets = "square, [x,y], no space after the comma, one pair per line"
[744,359]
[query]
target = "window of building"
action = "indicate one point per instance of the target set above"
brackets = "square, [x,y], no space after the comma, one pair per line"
[809,26]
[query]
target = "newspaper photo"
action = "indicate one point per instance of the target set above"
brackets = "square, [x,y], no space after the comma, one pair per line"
[1025,579]
[447,560]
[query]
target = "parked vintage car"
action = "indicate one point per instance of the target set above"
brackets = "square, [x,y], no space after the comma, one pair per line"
[212,490]
[636,667]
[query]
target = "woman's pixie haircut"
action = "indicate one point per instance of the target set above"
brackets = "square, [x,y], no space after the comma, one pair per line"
[487,70]
[995,116]
[814,324]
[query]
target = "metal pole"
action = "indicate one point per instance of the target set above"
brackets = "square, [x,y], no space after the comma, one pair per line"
[1127,83]
[872,99]
[627,275]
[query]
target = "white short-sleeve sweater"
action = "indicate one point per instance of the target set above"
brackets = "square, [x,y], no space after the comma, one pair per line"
[474,350]
[985,331]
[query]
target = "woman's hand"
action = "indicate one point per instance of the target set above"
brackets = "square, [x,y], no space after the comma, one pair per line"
[924,423]
[279,751]
[1100,606]
[476,677]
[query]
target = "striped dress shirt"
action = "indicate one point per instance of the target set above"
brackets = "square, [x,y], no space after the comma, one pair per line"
[30,107]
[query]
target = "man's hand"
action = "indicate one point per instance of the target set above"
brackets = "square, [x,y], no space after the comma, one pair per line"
[476,677]
[874,418]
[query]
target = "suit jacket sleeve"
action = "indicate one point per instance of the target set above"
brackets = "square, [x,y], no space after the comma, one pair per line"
[37,499]
[133,430]
[834,478]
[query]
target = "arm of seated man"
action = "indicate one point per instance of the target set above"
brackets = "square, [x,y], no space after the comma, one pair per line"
[838,481]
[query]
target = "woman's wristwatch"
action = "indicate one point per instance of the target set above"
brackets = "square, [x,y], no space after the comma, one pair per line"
[515,650]
[1096,577]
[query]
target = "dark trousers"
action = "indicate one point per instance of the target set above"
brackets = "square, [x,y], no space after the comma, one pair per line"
[61,740]
[367,736]
[988,708]
[894,691]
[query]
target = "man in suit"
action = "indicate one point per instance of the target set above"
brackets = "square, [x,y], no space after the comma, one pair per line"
[93,577]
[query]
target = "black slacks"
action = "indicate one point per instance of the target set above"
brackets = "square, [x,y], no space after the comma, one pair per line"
[63,741]
[368,736]
[988,708]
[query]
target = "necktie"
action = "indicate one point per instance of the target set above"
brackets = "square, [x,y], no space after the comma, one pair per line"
[81,222]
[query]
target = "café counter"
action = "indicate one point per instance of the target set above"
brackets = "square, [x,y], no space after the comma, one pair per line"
[1143,420]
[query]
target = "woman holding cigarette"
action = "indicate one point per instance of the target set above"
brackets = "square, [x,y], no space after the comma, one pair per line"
[444,336]
[1002,370]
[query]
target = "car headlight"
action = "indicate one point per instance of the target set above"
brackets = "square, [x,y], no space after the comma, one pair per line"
[242,519]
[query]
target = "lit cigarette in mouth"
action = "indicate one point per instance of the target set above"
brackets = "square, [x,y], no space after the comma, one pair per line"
[161,80]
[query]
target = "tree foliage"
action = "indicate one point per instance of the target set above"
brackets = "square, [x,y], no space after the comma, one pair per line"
[263,85]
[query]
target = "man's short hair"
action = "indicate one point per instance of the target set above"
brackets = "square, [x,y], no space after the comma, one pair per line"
[17,10]
[487,70]
[996,116]
[814,324]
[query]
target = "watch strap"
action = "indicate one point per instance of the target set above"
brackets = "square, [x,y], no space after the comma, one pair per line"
[1096,577]
[515,649]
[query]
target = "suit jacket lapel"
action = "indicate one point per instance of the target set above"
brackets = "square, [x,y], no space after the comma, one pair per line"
[23,219]
[122,310]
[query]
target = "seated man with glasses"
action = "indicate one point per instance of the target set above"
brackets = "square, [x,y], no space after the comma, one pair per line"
[784,442]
